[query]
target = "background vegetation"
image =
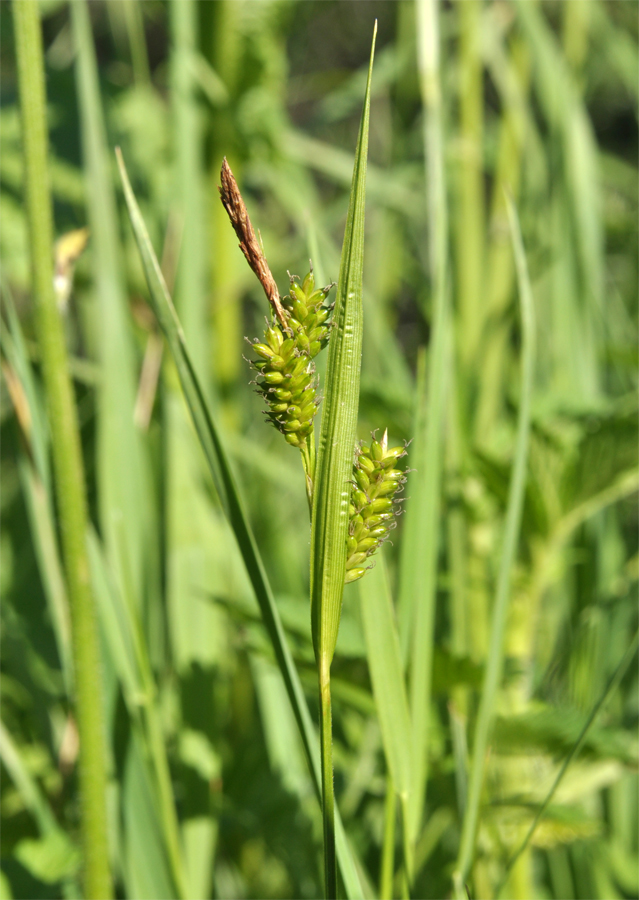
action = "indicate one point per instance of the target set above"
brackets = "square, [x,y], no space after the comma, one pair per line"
[209,793]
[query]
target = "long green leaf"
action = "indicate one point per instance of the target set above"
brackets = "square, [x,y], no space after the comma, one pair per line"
[334,469]
[494,665]
[233,505]
[124,488]
[36,486]
[422,530]
[387,676]
[195,531]
[333,473]
[613,683]
[67,454]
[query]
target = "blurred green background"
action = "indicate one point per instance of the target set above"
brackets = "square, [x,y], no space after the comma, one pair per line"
[539,99]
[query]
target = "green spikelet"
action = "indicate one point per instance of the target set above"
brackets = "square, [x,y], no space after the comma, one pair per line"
[373,507]
[286,372]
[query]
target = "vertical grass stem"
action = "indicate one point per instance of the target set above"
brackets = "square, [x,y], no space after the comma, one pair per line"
[67,456]
[328,792]
[495,660]
[418,587]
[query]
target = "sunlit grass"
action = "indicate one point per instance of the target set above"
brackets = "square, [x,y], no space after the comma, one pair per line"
[444,752]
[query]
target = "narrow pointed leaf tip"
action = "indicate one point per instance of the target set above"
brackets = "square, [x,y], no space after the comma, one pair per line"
[339,419]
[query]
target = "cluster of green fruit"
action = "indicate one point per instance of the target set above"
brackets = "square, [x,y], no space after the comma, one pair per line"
[285,365]
[373,507]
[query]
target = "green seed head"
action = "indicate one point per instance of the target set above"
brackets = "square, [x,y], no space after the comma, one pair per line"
[285,360]
[373,505]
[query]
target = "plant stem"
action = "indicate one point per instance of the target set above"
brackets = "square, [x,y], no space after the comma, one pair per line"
[67,456]
[422,519]
[388,850]
[328,796]
[495,662]
[469,220]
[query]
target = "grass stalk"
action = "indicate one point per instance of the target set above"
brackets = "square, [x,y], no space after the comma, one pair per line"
[125,506]
[389,689]
[67,456]
[422,525]
[134,24]
[333,471]
[499,276]
[612,684]
[469,216]
[457,553]
[495,660]
[328,792]
[388,848]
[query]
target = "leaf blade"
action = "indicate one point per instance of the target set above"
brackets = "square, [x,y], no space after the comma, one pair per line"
[389,689]
[339,419]
[512,525]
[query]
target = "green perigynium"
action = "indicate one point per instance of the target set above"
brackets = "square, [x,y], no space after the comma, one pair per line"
[373,507]
[286,372]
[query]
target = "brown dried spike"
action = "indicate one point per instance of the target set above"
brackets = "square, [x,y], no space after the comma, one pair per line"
[249,244]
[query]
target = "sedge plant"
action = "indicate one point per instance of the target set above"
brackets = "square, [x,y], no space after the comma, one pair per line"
[351,491]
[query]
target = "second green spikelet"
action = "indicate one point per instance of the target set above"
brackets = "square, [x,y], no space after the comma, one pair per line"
[373,507]
[285,366]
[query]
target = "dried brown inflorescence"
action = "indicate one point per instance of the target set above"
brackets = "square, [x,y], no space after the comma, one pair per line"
[249,244]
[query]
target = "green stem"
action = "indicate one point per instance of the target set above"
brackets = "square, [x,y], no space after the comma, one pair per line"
[419,581]
[67,456]
[613,683]
[388,850]
[495,662]
[469,220]
[328,796]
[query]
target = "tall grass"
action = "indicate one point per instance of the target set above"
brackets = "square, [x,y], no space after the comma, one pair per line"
[69,474]
[483,695]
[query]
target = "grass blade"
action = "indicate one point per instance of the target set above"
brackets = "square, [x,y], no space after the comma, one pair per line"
[339,418]
[67,455]
[36,485]
[234,507]
[469,218]
[334,468]
[194,525]
[419,570]
[511,536]
[388,849]
[123,471]
[387,676]
[613,682]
